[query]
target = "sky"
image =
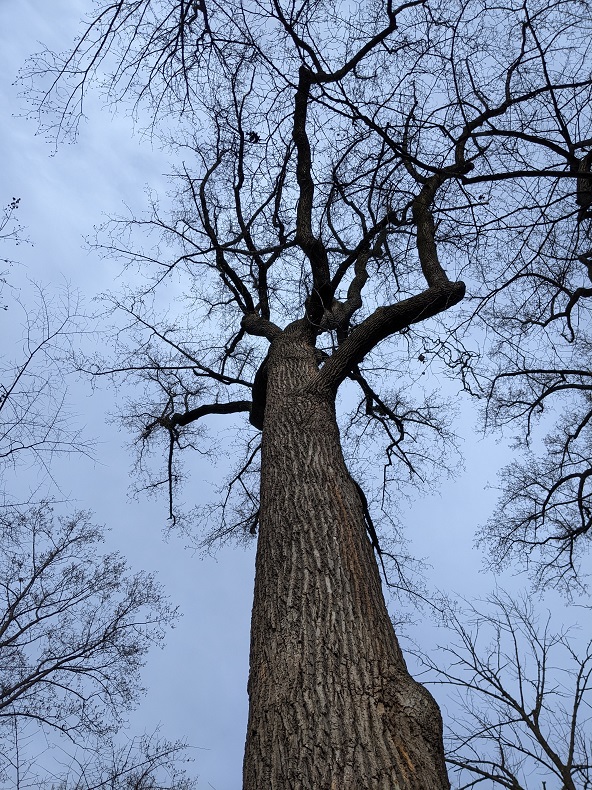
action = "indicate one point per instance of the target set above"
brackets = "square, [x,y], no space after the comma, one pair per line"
[197,683]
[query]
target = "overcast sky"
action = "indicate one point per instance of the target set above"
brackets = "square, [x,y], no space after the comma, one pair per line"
[197,684]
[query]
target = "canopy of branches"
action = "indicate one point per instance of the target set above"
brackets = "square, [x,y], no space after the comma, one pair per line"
[364,167]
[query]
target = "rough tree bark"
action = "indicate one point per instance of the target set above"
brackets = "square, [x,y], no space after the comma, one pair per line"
[327,675]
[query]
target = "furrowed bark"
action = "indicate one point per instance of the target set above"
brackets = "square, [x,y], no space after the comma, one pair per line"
[332,705]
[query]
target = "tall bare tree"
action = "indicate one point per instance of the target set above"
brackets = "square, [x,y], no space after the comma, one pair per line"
[340,169]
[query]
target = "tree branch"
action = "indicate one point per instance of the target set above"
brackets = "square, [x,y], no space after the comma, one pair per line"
[383,322]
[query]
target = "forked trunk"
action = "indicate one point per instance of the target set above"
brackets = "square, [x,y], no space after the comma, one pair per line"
[332,705]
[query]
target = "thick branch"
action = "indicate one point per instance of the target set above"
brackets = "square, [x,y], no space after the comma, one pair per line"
[253,324]
[176,420]
[426,246]
[192,415]
[312,247]
[383,322]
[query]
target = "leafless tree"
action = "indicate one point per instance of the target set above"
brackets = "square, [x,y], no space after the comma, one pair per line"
[34,420]
[146,763]
[75,625]
[536,379]
[523,691]
[75,628]
[356,185]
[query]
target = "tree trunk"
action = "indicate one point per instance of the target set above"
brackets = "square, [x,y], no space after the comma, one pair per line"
[332,705]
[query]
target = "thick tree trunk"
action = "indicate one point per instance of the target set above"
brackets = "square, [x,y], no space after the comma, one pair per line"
[332,706]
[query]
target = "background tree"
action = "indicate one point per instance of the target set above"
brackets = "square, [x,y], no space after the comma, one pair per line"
[337,163]
[75,624]
[75,627]
[524,691]
[147,763]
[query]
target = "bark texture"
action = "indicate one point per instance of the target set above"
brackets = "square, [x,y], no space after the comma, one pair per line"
[332,705]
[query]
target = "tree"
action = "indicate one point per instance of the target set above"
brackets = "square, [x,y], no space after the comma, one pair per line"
[524,692]
[538,377]
[75,625]
[336,163]
[146,763]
